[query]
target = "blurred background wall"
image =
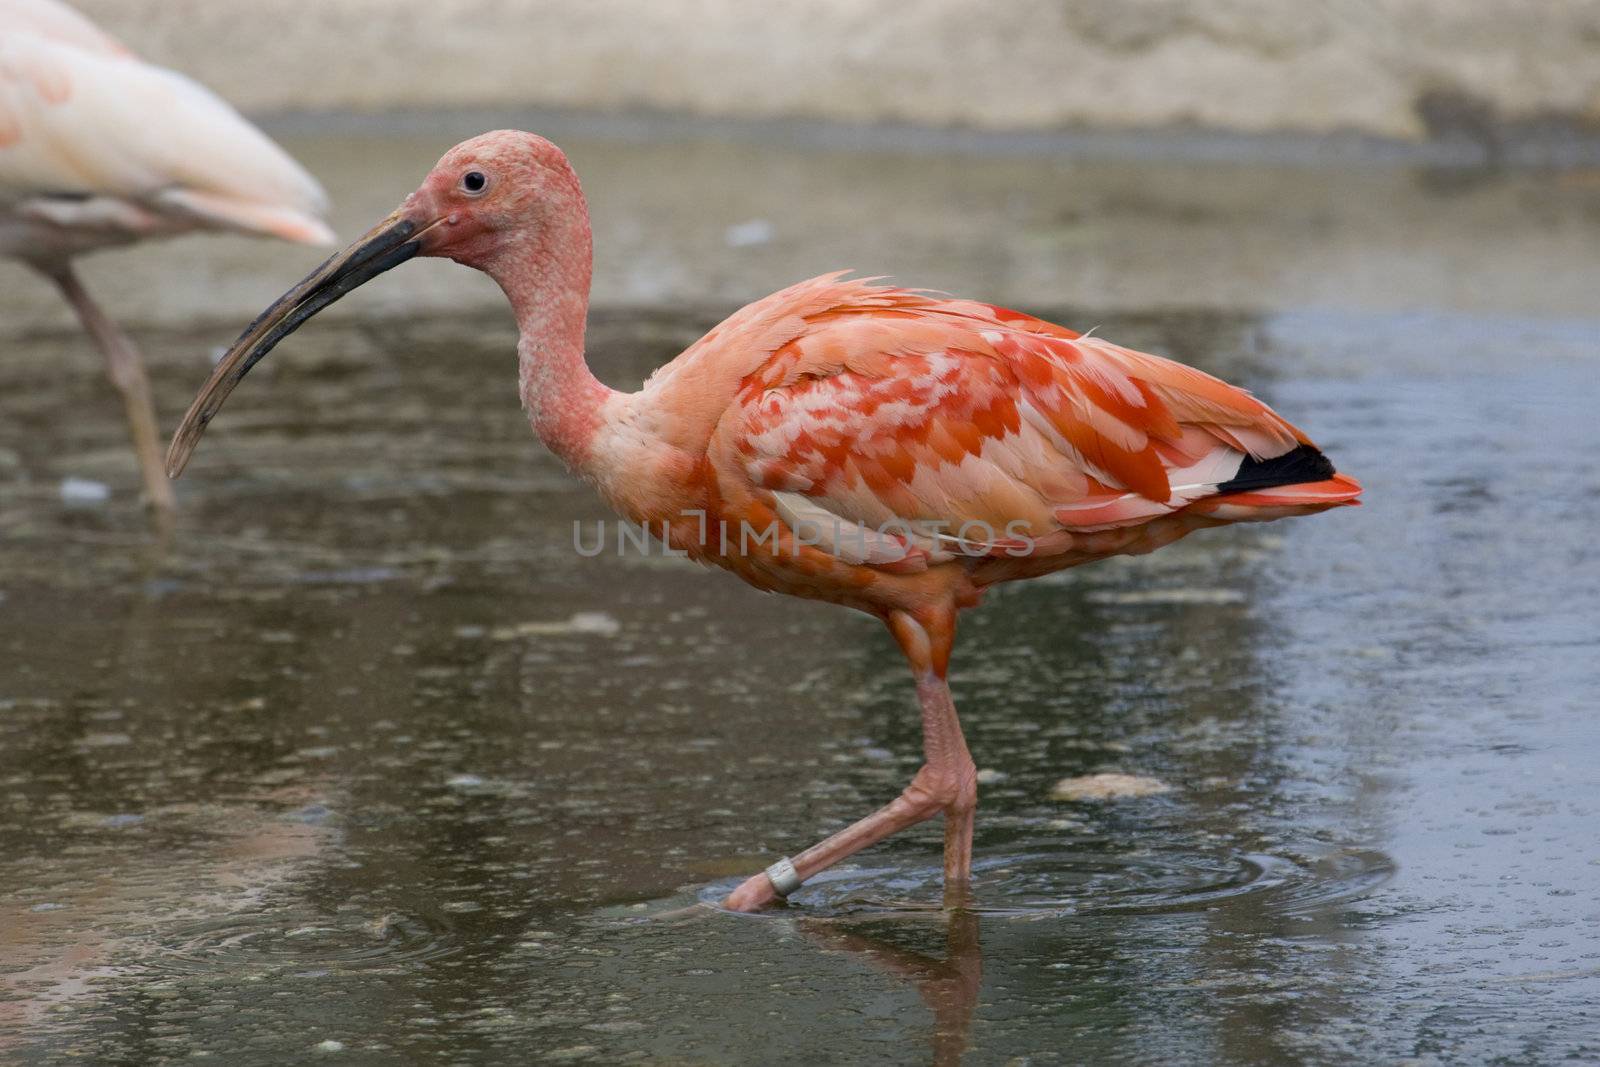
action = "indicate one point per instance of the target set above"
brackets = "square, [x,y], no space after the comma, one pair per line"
[1396,68]
[1106,154]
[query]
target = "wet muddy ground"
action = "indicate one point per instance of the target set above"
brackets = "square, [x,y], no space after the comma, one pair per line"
[364,762]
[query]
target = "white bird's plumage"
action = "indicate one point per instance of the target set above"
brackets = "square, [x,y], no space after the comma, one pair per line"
[98,147]
[58,22]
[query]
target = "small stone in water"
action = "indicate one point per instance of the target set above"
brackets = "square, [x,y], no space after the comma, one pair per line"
[330,1045]
[1107,787]
[748,234]
[988,776]
[583,622]
[84,491]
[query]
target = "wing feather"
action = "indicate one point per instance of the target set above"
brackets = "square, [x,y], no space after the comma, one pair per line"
[877,405]
[79,116]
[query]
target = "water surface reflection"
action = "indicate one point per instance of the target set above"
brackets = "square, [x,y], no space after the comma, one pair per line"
[337,769]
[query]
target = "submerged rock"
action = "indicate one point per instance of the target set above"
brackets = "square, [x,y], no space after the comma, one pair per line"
[583,622]
[84,491]
[1108,786]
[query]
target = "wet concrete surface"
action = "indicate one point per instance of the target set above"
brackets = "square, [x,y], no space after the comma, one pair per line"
[364,762]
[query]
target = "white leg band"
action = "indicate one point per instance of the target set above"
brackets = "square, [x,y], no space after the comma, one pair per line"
[784,878]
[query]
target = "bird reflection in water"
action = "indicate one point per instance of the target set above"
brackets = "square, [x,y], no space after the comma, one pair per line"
[948,986]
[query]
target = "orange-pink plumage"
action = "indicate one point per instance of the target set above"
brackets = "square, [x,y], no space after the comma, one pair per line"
[896,451]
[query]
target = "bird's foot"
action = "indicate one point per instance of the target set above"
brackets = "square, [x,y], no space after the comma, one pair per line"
[753,894]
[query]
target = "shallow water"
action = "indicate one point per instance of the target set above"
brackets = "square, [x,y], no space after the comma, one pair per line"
[365,762]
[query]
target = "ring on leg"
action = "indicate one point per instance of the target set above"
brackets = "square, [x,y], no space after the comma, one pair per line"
[784,878]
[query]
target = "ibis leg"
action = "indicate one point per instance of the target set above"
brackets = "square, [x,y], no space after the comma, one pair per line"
[947,782]
[126,369]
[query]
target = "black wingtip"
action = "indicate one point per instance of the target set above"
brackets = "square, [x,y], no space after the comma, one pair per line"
[1304,464]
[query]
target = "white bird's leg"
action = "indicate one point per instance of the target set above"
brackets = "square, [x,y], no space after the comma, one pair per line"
[947,782]
[126,369]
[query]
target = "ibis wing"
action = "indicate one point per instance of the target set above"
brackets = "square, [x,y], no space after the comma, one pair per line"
[952,427]
[79,120]
[56,21]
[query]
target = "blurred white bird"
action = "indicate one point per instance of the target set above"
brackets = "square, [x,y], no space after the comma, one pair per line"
[98,148]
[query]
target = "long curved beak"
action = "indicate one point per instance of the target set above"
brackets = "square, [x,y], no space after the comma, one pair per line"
[384,247]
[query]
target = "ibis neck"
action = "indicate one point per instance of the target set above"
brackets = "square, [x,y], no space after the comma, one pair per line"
[547,282]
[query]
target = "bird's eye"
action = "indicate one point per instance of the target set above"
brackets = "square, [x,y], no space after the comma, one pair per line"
[474,182]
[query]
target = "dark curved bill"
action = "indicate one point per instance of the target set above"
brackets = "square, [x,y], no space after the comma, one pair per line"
[382,248]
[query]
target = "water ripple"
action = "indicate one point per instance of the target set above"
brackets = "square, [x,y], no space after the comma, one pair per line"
[1045,883]
[302,941]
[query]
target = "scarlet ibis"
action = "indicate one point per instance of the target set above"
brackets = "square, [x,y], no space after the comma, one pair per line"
[100,149]
[881,448]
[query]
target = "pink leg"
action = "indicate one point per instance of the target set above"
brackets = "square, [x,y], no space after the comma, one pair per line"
[947,782]
[127,373]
